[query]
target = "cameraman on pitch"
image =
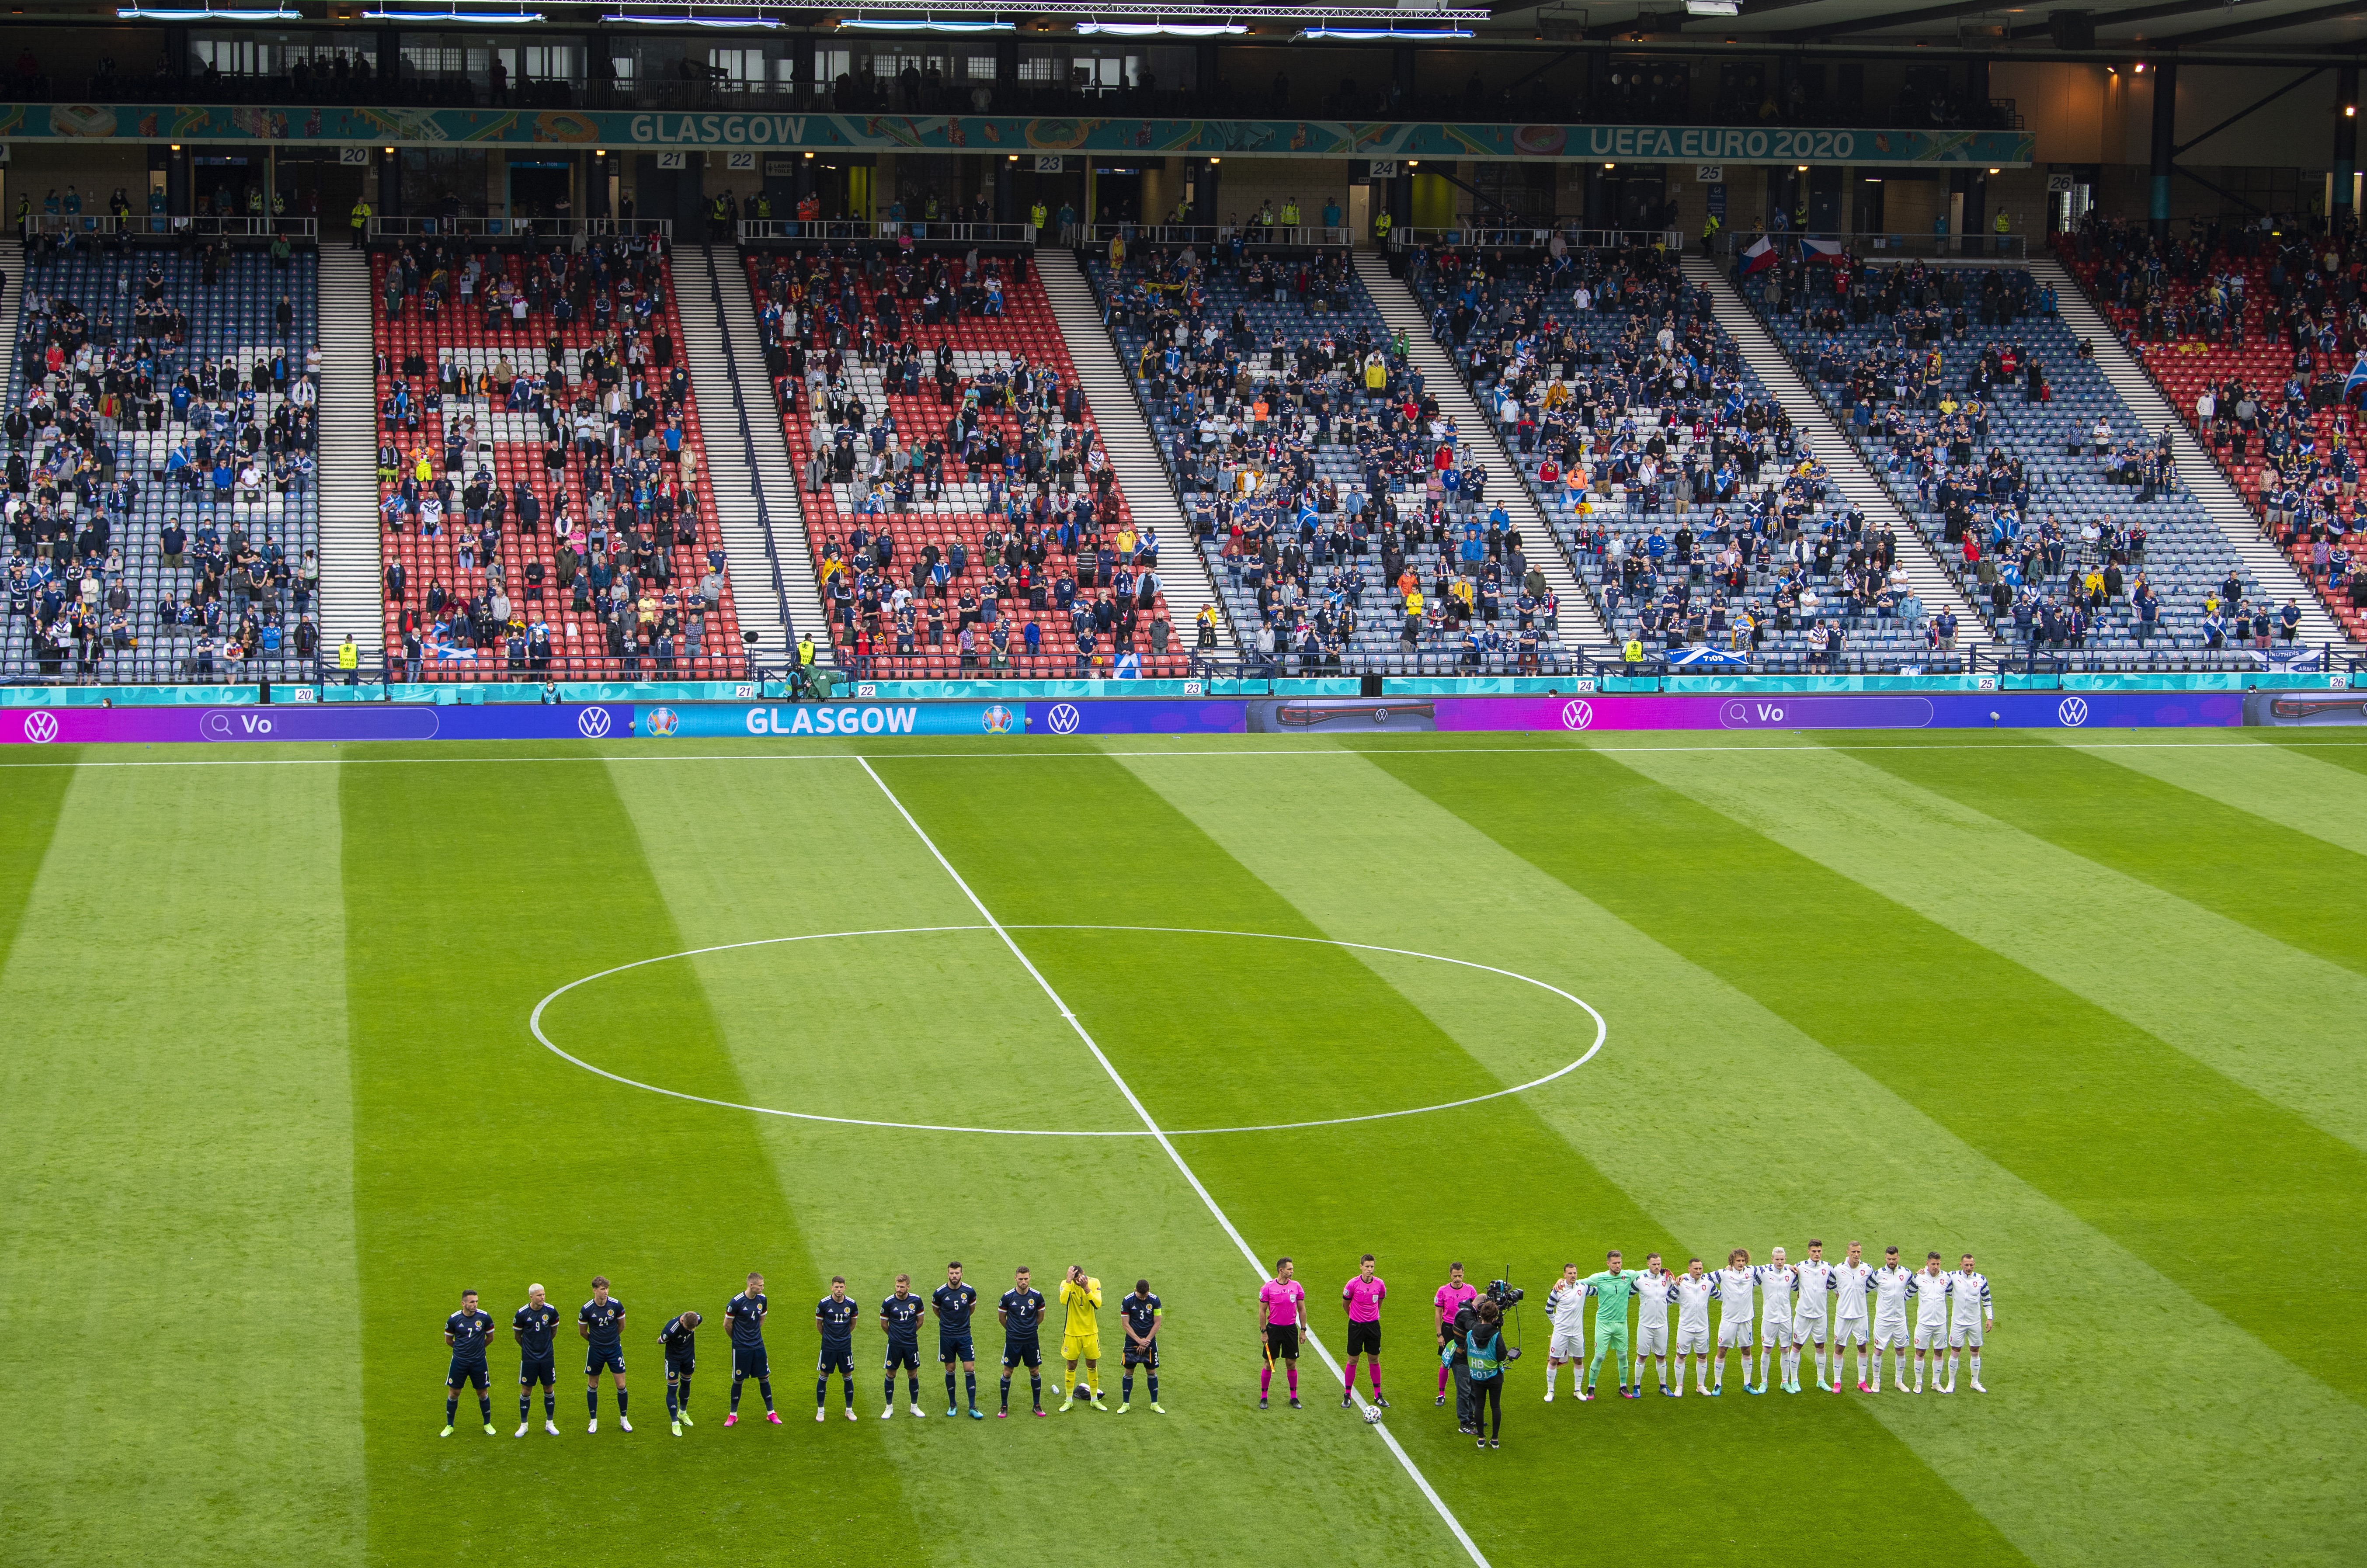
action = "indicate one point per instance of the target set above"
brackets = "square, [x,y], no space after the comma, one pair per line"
[1483,1344]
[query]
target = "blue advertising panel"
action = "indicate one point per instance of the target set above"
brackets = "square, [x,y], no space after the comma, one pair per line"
[858,719]
[1193,717]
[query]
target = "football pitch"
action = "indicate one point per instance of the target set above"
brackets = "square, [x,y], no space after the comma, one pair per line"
[304,1041]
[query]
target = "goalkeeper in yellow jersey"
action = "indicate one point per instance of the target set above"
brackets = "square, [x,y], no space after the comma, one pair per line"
[1080,1336]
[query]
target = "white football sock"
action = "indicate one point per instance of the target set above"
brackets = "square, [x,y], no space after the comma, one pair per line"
[1552,1373]
[1977,1366]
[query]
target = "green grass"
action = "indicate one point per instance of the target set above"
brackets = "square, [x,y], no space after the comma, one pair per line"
[270,1102]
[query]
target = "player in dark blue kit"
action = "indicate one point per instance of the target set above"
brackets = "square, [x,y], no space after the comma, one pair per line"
[679,1338]
[1021,1313]
[601,1322]
[745,1318]
[466,1332]
[953,1301]
[532,1328]
[1138,1314]
[899,1317]
[835,1316]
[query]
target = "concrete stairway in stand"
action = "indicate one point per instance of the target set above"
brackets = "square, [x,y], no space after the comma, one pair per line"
[1133,450]
[1823,436]
[1579,625]
[2237,522]
[353,581]
[747,490]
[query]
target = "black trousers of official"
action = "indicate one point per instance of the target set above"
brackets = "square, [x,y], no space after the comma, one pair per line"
[1464,1413]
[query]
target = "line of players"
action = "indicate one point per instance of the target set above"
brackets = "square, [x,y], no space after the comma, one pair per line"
[600,1322]
[1801,1304]
[1954,1310]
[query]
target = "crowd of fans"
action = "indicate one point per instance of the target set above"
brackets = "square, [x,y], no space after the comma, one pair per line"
[618,489]
[985,517]
[2280,419]
[1691,499]
[232,590]
[1247,420]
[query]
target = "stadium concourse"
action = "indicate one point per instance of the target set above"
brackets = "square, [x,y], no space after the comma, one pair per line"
[545,505]
[961,513]
[162,505]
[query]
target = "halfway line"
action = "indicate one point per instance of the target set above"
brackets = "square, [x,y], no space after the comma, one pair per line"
[1152,1125]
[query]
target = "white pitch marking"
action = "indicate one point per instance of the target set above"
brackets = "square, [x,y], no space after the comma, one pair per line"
[1215,1211]
[1601,1032]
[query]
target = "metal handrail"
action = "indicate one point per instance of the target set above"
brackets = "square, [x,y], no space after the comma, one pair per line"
[748,446]
[1730,243]
[1537,235]
[201,224]
[503,228]
[752,231]
[1301,236]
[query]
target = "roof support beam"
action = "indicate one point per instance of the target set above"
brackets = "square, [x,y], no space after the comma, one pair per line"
[2266,24]
[2182,148]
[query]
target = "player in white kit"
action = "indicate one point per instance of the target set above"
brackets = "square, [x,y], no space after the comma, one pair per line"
[1565,1310]
[1695,1291]
[1849,1281]
[1652,1293]
[1928,1289]
[1808,1314]
[1775,1279]
[1891,1283]
[1969,1311]
[1734,1283]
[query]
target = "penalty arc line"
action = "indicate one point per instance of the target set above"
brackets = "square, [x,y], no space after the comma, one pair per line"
[1152,1125]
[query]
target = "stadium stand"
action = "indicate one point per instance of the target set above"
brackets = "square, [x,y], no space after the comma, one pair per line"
[2010,450]
[1715,533]
[545,505]
[962,513]
[162,509]
[2256,340]
[1332,498]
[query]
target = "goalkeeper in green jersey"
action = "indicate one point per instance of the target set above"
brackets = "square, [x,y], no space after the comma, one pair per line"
[1612,1290]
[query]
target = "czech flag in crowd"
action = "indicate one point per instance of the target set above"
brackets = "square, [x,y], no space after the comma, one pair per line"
[1820,250]
[1758,257]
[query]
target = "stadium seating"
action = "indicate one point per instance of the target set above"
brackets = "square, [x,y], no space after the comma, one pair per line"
[2179,315]
[1760,607]
[2151,533]
[1007,568]
[1333,576]
[234,616]
[667,610]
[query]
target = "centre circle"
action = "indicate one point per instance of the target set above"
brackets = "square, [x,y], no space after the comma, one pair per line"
[534,1022]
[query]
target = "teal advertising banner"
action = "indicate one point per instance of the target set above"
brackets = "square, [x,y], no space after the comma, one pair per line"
[623,129]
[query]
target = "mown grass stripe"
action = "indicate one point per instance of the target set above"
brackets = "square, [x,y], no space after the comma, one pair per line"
[2290,785]
[2152,832]
[1191,1019]
[1744,1123]
[177,1328]
[484,1161]
[2238,1001]
[2071,1097]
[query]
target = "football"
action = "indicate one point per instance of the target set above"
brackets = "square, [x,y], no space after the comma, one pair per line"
[1373,1414]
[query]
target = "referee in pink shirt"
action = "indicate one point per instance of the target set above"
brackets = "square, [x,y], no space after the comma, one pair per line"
[1362,1297]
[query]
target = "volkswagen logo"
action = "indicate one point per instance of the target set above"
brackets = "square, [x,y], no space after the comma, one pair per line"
[592,723]
[1064,718]
[2072,711]
[40,726]
[1577,714]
